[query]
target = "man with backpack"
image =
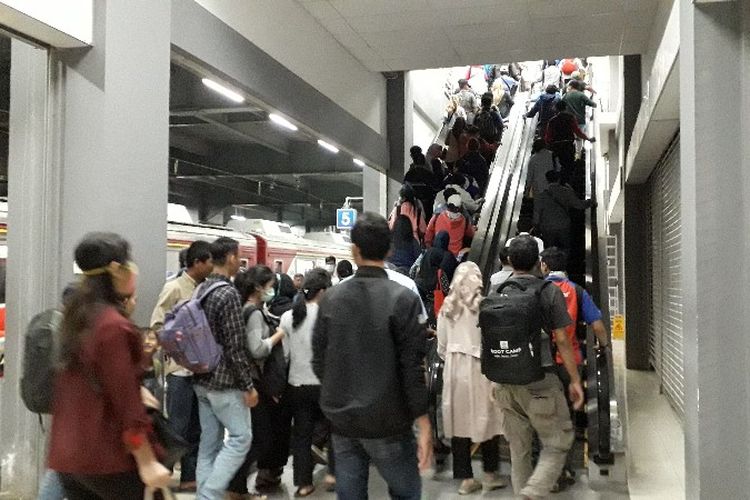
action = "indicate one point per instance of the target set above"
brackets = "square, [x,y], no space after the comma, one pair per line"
[581,307]
[488,121]
[545,107]
[226,394]
[182,405]
[518,322]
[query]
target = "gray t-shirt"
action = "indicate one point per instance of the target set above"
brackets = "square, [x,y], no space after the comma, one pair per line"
[299,341]
[554,314]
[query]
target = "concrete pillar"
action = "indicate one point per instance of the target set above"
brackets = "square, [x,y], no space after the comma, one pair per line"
[374,191]
[400,120]
[636,277]
[715,247]
[87,153]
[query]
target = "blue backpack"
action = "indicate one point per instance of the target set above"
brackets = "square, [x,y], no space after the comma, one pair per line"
[187,337]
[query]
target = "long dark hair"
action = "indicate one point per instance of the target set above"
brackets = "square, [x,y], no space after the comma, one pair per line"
[96,291]
[403,232]
[315,282]
[248,282]
[459,126]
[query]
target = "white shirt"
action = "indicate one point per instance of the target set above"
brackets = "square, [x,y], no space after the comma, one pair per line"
[407,282]
[499,278]
[300,347]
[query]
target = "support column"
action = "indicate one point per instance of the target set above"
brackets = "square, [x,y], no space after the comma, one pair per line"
[715,247]
[637,293]
[400,121]
[374,191]
[89,154]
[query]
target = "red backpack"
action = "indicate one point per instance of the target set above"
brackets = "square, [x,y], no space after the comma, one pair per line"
[568,66]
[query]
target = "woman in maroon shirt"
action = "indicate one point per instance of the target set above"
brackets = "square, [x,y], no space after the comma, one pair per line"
[99,441]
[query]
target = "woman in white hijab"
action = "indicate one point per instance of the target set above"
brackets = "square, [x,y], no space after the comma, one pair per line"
[469,414]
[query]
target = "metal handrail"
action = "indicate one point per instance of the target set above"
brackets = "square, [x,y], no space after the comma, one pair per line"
[492,230]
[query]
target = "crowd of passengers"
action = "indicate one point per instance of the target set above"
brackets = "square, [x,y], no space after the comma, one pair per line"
[330,366]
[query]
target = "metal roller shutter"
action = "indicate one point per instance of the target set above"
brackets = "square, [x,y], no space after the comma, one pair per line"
[666,284]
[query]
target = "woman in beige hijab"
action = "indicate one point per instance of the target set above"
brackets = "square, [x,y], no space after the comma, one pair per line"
[469,415]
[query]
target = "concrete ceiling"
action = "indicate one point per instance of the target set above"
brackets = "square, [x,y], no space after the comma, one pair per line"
[224,154]
[399,35]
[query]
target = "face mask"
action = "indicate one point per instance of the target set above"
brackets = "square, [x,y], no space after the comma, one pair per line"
[268,295]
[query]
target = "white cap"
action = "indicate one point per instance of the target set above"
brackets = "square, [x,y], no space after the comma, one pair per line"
[455,200]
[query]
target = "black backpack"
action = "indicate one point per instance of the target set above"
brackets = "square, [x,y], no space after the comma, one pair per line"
[488,129]
[271,380]
[511,323]
[40,355]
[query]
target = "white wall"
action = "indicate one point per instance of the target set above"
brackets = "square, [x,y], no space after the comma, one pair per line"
[657,33]
[71,17]
[289,34]
[428,88]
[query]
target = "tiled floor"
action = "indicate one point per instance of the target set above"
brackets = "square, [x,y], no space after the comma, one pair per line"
[656,457]
[655,440]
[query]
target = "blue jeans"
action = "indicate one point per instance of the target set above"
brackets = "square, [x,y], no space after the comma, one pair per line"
[395,458]
[51,488]
[182,408]
[219,460]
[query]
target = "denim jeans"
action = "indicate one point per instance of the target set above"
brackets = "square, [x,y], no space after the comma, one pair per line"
[394,457]
[182,408]
[51,487]
[219,460]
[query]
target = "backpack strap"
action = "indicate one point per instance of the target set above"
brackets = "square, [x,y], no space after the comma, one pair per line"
[202,291]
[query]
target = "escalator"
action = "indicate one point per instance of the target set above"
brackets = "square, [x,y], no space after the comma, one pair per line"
[504,206]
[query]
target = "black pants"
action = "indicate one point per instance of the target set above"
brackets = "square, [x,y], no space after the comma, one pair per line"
[305,401]
[124,486]
[277,453]
[263,441]
[462,456]
[564,154]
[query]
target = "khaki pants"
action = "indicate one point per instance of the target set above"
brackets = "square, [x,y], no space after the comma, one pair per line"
[539,407]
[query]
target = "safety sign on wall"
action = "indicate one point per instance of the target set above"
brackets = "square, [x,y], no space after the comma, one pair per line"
[345,218]
[618,327]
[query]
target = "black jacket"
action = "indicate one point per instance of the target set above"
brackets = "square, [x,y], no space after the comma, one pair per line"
[368,347]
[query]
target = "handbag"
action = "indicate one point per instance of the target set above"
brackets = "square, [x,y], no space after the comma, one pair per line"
[173,446]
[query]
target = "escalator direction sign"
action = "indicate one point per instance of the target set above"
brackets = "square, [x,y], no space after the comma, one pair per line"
[345,218]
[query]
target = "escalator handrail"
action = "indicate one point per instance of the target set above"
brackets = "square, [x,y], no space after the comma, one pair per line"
[485,245]
[601,376]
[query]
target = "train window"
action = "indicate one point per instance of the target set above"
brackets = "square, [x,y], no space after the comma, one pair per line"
[279,266]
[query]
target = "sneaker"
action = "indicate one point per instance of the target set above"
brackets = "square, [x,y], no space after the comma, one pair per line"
[492,481]
[469,486]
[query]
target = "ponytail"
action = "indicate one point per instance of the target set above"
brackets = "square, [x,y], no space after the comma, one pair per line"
[315,282]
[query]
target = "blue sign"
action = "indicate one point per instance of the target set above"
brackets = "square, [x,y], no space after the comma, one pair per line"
[345,218]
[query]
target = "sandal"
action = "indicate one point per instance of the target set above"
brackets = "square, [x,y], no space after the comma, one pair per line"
[304,491]
[330,483]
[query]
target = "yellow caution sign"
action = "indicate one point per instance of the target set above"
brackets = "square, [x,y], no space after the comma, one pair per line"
[618,327]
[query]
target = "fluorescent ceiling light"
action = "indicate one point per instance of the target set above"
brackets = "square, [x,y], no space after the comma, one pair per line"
[358,162]
[280,120]
[329,147]
[237,217]
[221,89]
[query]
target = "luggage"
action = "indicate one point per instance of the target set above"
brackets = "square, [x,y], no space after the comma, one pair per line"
[187,337]
[40,355]
[511,323]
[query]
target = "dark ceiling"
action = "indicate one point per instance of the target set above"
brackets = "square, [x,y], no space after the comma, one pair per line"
[224,154]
